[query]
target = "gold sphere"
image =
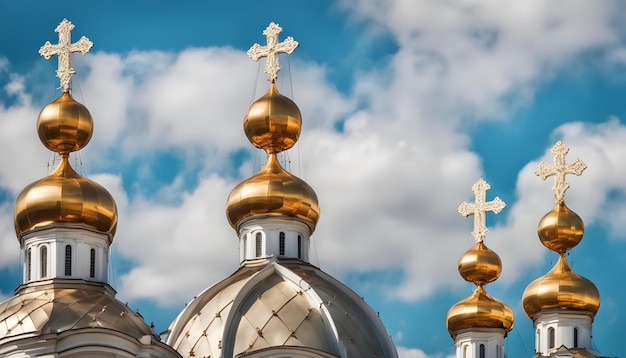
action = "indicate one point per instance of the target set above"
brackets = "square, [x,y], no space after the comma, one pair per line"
[64,125]
[273,122]
[65,197]
[480,265]
[561,229]
[479,310]
[561,289]
[273,192]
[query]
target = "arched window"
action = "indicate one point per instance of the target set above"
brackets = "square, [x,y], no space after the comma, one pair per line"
[281,243]
[538,339]
[43,260]
[551,342]
[466,351]
[481,351]
[29,264]
[244,241]
[259,244]
[68,260]
[92,263]
[575,337]
[299,246]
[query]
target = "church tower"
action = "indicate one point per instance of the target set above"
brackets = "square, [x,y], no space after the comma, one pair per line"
[479,323]
[65,224]
[561,304]
[277,304]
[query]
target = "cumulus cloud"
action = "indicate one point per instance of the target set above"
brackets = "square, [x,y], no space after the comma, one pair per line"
[404,352]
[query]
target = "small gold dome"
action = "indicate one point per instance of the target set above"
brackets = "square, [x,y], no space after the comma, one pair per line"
[64,125]
[480,264]
[563,290]
[479,310]
[65,197]
[273,122]
[273,192]
[561,229]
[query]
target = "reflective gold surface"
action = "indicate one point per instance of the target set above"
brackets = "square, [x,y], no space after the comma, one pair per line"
[64,125]
[273,192]
[273,122]
[479,310]
[561,289]
[561,229]
[480,264]
[279,305]
[65,197]
[63,305]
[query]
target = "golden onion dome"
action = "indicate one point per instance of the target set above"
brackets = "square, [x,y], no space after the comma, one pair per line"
[65,197]
[561,289]
[479,310]
[273,122]
[480,264]
[561,229]
[273,192]
[64,125]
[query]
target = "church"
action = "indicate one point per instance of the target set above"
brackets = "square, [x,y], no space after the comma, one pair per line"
[276,304]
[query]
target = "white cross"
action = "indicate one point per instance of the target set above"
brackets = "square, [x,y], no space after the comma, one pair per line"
[559,169]
[480,207]
[64,50]
[272,50]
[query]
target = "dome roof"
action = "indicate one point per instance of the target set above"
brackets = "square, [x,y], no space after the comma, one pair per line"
[479,310]
[561,229]
[65,197]
[273,192]
[272,306]
[64,306]
[480,264]
[561,289]
[64,125]
[273,122]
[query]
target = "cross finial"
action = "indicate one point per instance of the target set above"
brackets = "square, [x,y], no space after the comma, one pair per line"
[559,169]
[272,50]
[480,207]
[64,50]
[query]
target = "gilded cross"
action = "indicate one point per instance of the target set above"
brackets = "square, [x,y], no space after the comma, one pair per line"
[480,207]
[559,169]
[272,50]
[64,50]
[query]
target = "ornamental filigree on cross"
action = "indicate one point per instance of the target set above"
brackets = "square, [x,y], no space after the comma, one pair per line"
[559,169]
[64,50]
[480,207]
[272,50]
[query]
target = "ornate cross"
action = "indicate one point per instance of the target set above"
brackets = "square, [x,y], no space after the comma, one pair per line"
[559,169]
[272,50]
[480,207]
[64,50]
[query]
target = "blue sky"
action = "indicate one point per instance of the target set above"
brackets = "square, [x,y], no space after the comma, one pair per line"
[405,105]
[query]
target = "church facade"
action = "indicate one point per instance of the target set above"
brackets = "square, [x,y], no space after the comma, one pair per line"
[276,304]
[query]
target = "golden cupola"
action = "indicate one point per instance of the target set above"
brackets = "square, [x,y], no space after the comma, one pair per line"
[480,265]
[272,123]
[561,303]
[560,230]
[64,196]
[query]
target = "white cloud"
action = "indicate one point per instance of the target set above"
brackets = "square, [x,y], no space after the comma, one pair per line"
[177,251]
[404,352]
[464,57]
